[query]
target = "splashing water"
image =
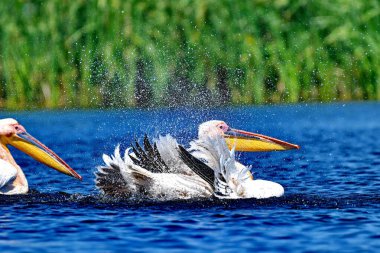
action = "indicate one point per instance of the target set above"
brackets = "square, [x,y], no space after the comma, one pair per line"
[331,185]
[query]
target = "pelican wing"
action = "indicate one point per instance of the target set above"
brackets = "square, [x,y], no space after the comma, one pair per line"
[168,148]
[121,177]
[211,156]
[148,157]
[110,180]
[200,168]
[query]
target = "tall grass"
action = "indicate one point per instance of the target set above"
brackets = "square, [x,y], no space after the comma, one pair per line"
[125,53]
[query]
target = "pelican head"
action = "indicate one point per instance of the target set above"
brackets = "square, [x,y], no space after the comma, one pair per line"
[243,140]
[14,134]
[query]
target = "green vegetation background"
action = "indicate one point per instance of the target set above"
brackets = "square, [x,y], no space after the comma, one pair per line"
[100,53]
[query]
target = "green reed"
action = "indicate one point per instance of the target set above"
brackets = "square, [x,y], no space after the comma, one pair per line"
[98,53]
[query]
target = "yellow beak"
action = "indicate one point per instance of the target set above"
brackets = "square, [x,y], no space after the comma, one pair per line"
[34,148]
[252,142]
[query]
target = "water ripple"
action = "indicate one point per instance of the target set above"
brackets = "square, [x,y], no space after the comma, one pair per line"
[332,185]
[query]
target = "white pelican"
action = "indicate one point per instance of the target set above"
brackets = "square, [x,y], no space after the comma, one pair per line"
[208,168]
[12,178]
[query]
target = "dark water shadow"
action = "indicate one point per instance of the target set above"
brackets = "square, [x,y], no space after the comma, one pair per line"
[290,201]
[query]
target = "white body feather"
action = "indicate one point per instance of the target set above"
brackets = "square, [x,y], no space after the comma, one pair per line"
[8,174]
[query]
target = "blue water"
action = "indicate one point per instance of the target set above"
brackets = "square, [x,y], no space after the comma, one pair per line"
[332,185]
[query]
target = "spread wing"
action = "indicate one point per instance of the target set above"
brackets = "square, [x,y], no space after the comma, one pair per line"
[168,148]
[219,157]
[110,180]
[200,168]
[148,157]
[121,177]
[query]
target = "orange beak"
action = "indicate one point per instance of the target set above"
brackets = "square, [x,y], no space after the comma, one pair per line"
[252,142]
[34,148]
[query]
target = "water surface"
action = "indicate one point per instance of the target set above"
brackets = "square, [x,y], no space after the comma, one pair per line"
[332,184]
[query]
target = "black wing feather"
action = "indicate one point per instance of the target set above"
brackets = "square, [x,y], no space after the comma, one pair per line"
[147,146]
[158,156]
[199,167]
[148,157]
[111,182]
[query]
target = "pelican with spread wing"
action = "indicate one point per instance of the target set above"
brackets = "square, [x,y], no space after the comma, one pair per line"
[12,178]
[166,170]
